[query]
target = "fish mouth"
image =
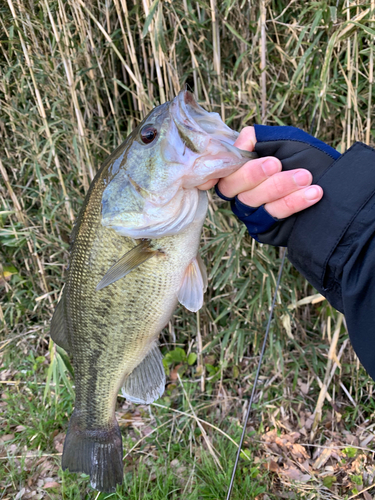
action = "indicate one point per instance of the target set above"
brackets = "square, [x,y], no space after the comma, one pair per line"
[206,135]
[192,120]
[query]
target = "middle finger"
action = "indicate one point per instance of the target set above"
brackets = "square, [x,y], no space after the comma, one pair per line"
[276,187]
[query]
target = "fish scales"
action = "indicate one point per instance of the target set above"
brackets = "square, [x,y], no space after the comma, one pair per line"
[126,315]
[134,255]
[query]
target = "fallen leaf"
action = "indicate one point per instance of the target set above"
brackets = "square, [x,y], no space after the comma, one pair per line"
[52,484]
[131,419]
[6,375]
[58,442]
[299,452]
[322,458]
[44,467]
[272,466]
[350,439]
[295,475]
[309,422]
[12,449]
[174,373]
[6,437]
[20,494]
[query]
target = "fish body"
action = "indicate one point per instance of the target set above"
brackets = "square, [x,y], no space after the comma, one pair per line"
[134,255]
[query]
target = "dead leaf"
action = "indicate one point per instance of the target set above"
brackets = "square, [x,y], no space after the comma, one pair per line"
[367,495]
[20,494]
[12,449]
[309,422]
[131,419]
[286,444]
[6,437]
[52,484]
[322,458]
[299,452]
[147,430]
[305,387]
[6,375]
[295,475]
[174,373]
[58,442]
[45,467]
[272,466]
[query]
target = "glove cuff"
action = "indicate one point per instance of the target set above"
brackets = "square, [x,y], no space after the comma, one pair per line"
[266,133]
[257,220]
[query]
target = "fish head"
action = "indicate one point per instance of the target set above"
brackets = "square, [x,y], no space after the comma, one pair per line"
[151,180]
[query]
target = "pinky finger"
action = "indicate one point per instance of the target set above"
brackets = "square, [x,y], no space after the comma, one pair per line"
[208,185]
[294,202]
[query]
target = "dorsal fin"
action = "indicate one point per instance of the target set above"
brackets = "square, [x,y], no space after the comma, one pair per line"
[58,331]
[131,260]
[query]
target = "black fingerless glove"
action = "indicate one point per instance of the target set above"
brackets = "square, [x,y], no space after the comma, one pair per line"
[295,149]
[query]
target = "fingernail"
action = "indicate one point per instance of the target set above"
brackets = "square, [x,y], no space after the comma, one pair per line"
[302,178]
[270,167]
[312,193]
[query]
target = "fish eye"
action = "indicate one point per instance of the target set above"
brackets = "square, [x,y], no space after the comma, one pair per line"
[148,134]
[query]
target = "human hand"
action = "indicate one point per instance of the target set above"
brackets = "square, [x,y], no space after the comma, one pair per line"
[268,201]
[261,182]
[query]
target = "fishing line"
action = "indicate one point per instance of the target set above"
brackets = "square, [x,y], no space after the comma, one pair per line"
[256,378]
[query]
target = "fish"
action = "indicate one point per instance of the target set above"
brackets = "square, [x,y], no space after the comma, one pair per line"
[134,255]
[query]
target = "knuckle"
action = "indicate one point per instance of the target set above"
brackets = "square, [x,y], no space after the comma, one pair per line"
[289,203]
[223,187]
[248,176]
[278,184]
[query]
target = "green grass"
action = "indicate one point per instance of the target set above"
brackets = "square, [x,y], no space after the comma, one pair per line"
[76,78]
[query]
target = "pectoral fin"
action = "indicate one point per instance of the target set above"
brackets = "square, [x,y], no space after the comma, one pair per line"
[193,285]
[203,270]
[132,259]
[58,328]
[146,383]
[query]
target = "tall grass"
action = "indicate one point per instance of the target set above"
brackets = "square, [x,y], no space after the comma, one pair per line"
[77,76]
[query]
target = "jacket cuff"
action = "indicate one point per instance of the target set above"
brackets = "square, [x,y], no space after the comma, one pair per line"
[348,184]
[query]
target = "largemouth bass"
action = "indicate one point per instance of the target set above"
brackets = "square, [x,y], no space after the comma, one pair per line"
[134,256]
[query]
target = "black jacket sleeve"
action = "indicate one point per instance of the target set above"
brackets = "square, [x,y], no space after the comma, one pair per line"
[333,245]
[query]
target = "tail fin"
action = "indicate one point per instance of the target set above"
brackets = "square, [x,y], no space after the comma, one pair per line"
[95,452]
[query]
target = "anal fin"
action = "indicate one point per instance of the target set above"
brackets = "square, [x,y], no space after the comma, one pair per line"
[58,329]
[193,286]
[146,383]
